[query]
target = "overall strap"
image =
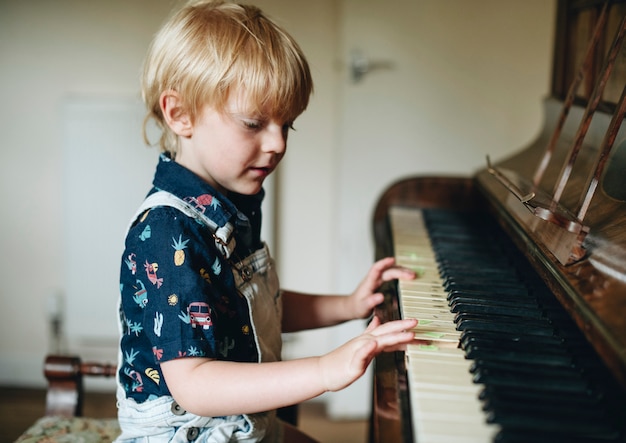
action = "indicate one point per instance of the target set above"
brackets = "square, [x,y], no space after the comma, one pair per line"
[224,239]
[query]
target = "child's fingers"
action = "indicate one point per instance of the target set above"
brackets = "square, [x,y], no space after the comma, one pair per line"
[399,273]
[373,324]
[392,327]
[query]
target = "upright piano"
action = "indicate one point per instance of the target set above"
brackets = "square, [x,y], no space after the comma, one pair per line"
[520,292]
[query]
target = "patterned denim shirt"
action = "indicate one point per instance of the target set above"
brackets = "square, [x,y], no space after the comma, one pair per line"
[178,297]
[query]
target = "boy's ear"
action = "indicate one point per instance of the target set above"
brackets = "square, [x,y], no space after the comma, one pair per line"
[175,113]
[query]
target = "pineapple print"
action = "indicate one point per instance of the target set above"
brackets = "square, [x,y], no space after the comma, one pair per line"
[179,245]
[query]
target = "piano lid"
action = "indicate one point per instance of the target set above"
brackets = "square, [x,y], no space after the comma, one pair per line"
[563,199]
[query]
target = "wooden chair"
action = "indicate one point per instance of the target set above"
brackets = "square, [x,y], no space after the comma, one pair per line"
[63,420]
[66,393]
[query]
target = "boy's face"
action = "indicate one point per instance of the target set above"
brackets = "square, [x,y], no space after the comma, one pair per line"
[234,150]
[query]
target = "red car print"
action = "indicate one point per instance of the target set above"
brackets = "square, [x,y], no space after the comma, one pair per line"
[200,315]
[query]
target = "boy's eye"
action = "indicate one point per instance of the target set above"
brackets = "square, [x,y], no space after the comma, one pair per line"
[256,124]
[252,124]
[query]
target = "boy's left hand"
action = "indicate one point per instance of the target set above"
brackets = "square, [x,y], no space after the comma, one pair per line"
[366,296]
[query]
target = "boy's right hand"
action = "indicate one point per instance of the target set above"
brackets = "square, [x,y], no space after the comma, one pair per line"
[341,367]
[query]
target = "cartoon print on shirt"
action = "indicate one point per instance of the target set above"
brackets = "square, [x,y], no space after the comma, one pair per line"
[137,385]
[192,351]
[153,375]
[144,216]
[216,267]
[136,328]
[179,246]
[127,322]
[200,315]
[158,352]
[137,382]
[205,275]
[226,346]
[131,263]
[184,316]
[146,233]
[130,358]
[141,296]
[202,201]
[151,270]
[158,324]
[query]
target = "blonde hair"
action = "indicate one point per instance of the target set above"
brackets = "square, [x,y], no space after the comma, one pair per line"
[209,49]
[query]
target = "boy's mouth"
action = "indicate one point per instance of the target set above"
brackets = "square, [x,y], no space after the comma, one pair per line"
[262,170]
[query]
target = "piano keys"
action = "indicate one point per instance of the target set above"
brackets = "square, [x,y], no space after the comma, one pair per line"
[446,404]
[497,358]
[521,288]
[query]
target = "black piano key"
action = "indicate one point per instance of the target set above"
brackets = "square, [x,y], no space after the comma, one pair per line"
[472,323]
[474,349]
[496,309]
[524,436]
[544,423]
[595,398]
[551,418]
[463,268]
[548,383]
[492,297]
[517,356]
[478,285]
[529,369]
[505,339]
[578,410]
[514,322]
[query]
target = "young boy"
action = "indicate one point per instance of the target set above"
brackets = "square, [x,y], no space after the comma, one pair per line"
[201,311]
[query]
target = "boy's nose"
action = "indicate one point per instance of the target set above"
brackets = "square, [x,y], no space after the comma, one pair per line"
[276,140]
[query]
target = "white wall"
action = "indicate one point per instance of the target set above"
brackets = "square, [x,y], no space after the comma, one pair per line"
[52,51]
[74,48]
